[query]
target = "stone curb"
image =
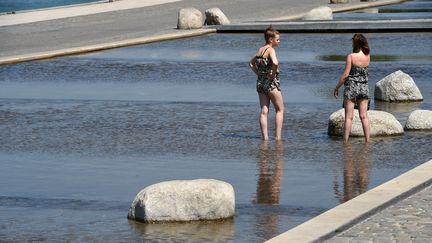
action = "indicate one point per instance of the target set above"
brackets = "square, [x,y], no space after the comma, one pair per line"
[332,26]
[104,46]
[337,9]
[341,217]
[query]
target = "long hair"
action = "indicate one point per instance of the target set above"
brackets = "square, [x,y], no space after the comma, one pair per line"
[270,33]
[360,43]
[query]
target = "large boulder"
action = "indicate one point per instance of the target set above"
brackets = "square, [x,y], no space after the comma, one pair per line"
[339,1]
[397,87]
[320,13]
[382,124]
[189,18]
[184,200]
[215,16]
[419,120]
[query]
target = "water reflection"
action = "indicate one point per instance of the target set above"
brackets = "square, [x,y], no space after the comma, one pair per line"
[355,173]
[270,165]
[199,231]
[395,107]
[270,173]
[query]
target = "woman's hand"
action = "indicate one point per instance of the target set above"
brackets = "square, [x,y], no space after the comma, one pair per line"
[336,92]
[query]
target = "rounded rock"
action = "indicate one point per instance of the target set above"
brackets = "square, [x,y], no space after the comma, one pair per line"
[215,16]
[184,200]
[320,13]
[189,18]
[382,124]
[419,120]
[397,87]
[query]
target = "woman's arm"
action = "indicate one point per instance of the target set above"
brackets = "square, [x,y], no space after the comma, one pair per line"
[252,65]
[344,76]
[275,62]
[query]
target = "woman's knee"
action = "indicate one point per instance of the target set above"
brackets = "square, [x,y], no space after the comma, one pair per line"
[349,117]
[363,116]
[264,110]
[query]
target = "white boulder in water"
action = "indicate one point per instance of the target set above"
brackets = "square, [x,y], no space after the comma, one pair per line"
[419,120]
[397,87]
[184,200]
[382,124]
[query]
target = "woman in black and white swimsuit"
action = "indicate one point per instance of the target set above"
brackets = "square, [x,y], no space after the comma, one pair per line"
[355,80]
[265,65]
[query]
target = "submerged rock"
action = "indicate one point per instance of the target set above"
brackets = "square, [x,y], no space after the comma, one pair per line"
[189,18]
[184,200]
[419,120]
[397,87]
[320,13]
[215,16]
[382,124]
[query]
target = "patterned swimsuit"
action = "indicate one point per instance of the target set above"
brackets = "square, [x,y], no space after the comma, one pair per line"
[356,85]
[265,84]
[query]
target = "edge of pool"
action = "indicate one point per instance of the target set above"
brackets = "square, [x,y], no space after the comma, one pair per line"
[176,34]
[346,215]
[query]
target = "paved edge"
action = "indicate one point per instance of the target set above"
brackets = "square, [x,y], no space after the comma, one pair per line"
[104,46]
[345,215]
[337,8]
[338,26]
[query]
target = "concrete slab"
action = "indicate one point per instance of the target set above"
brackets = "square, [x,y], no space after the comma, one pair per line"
[331,26]
[104,46]
[77,10]
[347,214]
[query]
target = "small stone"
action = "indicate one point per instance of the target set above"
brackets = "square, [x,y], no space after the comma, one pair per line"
[189,18]
[320,13]
[215,16]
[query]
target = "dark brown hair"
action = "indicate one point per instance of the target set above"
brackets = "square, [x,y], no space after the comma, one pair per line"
[270,33]
[360,43]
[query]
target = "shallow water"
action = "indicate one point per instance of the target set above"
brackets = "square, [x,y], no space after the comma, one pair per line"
[418,9]
[20,5]
[82,135]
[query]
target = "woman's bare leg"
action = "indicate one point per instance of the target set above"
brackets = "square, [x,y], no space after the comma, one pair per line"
[277,100]
[363,104]
[349,115]
[264,104]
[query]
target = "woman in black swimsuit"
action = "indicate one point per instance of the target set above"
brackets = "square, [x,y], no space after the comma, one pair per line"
[265,65]
[355,80]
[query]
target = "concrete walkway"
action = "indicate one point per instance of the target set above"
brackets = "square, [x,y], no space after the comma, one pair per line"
[406,221]
[92,30]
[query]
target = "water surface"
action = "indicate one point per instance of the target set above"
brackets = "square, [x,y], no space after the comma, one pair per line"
[82,135]
[20,5]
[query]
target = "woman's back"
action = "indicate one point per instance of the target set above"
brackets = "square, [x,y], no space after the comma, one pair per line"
[359,59]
